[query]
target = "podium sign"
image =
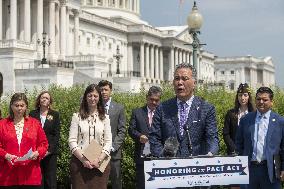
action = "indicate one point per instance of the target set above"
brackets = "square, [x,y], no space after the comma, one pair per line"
[198,171]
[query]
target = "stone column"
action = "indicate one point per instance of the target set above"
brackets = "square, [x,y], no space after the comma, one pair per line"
[1,21]
[116,4]
[129,58]
[176,62]
[62,29]
[147,61]
[184,56]
[180,56]
[157,63]
[187,57]
[57,28]
[142,60]
[76,32]
[67,31]
[134,5]
[152,61]
[13,19]
[52,27]
[130,5]
[123,4]
[243,75]
[171,64]
[27,20]
[40,20]
[138,6]
[161,64]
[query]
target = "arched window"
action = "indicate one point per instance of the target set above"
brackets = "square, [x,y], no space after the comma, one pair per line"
[1,84]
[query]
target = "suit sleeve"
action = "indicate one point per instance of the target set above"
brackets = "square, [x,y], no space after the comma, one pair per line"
[226,133]
[282,145]
[2,151]
[73,133]
[132,129]
[155,134]
[211,131]
[55,134]
[121,130]
[239,140]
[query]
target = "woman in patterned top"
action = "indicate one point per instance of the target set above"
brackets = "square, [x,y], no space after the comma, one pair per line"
[20,135]
[90,123]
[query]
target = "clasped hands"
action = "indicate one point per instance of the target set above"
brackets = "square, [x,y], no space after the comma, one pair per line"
[91,165]
[11,158]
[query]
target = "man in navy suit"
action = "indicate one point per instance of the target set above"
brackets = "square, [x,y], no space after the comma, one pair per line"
[138,130]
[260,136]
[118,130]
[185,113]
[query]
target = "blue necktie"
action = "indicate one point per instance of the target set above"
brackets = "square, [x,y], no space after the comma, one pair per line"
[260,139]
[182,116]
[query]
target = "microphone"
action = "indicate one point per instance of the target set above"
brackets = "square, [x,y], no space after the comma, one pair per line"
[170,147]
[186,128]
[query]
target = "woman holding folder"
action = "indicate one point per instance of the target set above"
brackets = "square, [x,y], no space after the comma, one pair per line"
[89,124]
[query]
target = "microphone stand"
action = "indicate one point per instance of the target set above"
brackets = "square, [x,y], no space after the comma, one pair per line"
[186,128]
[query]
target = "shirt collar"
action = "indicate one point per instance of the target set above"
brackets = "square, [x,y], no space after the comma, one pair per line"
[108,102]
[188,102]
[266,114]
[149,110]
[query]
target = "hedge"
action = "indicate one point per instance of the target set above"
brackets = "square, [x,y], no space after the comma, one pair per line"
[67,100]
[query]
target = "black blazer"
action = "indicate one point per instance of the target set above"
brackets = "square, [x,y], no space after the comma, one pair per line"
[51,129]
[138,125]
[230,130]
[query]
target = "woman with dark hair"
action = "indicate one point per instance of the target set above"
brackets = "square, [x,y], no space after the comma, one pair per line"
[243,105]
[50,123]
[88,124]
[20,135]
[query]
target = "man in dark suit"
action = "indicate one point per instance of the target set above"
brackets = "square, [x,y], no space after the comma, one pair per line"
[117,121]
[138,130]
[185,113]
[260,136]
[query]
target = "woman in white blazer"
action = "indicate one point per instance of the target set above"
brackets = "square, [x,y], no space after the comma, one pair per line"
[89,123]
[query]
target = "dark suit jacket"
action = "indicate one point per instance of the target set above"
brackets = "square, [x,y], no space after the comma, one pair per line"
[202,127]
[230,130]
[274,139]
[139,125]
[118,130]
[51,129]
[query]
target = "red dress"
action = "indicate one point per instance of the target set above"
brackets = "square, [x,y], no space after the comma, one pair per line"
[27,172]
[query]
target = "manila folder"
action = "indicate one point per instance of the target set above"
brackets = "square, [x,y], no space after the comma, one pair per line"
[93,151]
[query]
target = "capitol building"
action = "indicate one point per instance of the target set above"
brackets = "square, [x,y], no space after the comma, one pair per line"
[84,41]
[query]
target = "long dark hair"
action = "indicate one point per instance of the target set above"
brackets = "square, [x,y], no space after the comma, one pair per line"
[244,88]
[17,97]
[84,108]
[37,102]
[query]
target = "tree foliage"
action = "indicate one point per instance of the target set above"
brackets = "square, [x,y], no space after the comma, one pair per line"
[67,101]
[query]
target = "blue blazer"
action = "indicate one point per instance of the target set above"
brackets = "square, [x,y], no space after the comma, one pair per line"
[274,139]
[202,127]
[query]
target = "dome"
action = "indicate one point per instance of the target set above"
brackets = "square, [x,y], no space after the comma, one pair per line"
[124,11]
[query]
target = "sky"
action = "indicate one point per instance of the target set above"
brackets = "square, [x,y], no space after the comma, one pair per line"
[230,27]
